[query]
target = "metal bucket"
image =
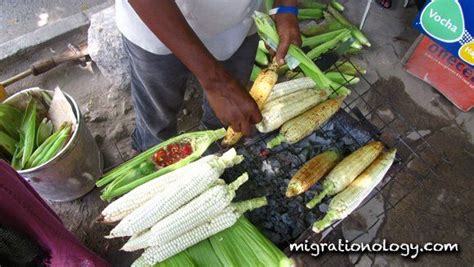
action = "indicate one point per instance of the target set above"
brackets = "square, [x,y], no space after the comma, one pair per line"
[73,171]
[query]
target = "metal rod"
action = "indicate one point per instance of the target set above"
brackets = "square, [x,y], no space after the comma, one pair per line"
[366,13]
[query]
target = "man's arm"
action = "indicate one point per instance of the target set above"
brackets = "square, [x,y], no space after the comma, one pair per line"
[229,100]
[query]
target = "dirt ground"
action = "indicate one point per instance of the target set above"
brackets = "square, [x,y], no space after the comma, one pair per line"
[428,201]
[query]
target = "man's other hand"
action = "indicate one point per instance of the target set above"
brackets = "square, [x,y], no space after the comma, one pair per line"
[289,32]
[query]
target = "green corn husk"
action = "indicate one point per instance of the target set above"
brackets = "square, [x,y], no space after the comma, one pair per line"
[44,131]
[55,147]
[329,24]
[336,5]
[267,5]
[240,245]
[320,39]
[202,254]
[28,131]
[348,68]
[7,143]
[341,78]
[261,58]
[323,48]
[262,47]
[255,72]
[311,4]
[37,154]
[120,183]
[10,120]
[310,13]
[355,31]
[267,31]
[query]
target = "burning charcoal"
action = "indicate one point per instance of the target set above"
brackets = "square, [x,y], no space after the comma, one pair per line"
[267,225]
[323,207]
[297,230]
[310,218]
[348,141]
[286,219]
[274,237]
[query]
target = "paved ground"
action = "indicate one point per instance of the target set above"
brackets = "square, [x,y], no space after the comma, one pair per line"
[417,206]
[18,17]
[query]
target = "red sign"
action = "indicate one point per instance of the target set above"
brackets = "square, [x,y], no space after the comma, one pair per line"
[451,76]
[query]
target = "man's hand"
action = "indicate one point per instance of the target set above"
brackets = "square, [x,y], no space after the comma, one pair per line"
[231,103]
[288,30]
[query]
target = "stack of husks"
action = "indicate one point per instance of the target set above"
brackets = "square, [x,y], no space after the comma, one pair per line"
[28,138]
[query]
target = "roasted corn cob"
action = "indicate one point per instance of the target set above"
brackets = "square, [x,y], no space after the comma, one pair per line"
[347,170]
[303,125]
[312,171]
[260,91]
[289,87]
[348,200]
[282,109]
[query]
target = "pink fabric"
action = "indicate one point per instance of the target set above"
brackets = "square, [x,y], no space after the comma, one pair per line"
[22,209]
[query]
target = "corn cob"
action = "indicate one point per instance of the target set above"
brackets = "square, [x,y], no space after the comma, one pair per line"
[343,21]
[323,48]
[261,58]
[303,125]
[312,171]
[226,219]
[288,87]
[321,38]
[348,200]
[282,109]
[45,129]
[260,91]
[347,170]
[10,120]
[348,68]
[28,133]
[198,211]
[310,13]
[120,183]
[342,78]
[7,143]
[255,72]
[183,190]
[125,205]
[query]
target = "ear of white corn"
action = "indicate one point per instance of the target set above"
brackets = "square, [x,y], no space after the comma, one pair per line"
[224,220]
[173,197]
[347,170]
[289,87]
[126,204]
[198,211]
[282,109]
[348,200]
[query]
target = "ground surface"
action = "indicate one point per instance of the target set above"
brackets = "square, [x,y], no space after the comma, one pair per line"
[417,206]
[18,17]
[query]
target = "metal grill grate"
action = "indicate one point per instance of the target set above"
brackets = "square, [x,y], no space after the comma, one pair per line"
[361,120]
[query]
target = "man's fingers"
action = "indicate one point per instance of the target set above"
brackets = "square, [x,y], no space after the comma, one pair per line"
[236,127]
[256,117]
[281,51]
[247,129]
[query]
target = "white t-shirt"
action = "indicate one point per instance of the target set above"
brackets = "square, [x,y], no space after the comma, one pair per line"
[222,25]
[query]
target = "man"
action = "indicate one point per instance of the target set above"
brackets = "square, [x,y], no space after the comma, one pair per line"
[168,39]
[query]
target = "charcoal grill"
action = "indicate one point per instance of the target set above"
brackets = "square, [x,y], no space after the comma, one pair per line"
[367,114]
